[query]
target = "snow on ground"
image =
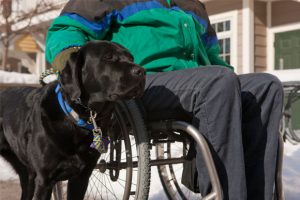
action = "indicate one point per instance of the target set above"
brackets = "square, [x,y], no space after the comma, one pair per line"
[291,172]
[287,75]
[14,77]
[6,171]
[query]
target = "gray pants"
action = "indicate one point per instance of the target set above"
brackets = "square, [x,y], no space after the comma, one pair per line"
[238,115]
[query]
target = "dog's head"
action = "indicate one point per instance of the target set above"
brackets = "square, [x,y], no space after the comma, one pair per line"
[102,71]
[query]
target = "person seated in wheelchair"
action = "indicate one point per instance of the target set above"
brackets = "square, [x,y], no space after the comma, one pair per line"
[186,79]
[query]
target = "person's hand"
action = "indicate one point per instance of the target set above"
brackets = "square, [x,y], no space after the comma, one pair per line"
[61,59]
[58,65]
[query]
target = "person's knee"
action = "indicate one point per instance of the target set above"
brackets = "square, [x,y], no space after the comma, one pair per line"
[220,82]
[270,78]
[226,79]
[271,81]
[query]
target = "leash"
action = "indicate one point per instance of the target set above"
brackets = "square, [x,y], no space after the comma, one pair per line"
[99,142]
[48,73]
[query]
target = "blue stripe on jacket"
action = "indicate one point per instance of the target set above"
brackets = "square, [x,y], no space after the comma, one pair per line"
[127,11]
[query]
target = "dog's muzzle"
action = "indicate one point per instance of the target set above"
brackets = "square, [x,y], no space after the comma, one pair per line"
[138,72]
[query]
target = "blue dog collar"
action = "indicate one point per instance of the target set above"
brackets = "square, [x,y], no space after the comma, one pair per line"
[69,111]
[99,142]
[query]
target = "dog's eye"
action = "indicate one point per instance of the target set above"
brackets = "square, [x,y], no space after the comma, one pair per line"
[131,59]
[107,57]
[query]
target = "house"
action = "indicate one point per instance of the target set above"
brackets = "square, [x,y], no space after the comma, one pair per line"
[258,35]
[26,50]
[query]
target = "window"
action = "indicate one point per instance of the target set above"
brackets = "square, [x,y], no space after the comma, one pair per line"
[225,49]
[225,25]
[223,30]
[222,26]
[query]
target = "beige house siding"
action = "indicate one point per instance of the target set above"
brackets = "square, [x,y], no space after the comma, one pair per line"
[285,13]
[260,36]
[217,7]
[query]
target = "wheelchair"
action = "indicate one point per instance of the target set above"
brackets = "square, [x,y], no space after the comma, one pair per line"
[292,97]
[124,171]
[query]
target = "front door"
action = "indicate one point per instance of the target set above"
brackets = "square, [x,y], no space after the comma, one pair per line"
[287,50]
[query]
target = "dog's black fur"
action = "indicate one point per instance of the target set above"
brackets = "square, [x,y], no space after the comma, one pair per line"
[41,142]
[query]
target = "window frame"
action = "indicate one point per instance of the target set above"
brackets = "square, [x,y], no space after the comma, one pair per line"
[231,16]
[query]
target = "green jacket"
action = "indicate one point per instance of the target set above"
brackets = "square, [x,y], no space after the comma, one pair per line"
[162,35]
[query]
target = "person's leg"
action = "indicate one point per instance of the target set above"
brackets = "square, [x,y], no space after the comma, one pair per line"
[262,101]
[209,98]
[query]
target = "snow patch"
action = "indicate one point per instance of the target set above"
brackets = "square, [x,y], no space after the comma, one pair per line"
[15,77]
[6,172]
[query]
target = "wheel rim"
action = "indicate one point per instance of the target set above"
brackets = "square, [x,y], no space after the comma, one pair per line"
[170,175]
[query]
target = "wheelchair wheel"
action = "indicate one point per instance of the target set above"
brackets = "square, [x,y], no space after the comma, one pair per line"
[124,171]
[170,175]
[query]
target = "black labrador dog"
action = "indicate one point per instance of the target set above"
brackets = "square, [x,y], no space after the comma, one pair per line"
[42,142]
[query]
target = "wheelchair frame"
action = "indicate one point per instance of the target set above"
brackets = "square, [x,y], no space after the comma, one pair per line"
[292,94]
[216,192]
[163,127]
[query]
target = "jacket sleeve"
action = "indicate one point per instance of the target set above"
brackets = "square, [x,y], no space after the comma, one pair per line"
[80,21]
[207,34]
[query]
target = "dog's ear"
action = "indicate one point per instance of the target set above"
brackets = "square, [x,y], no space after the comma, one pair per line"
[71,75]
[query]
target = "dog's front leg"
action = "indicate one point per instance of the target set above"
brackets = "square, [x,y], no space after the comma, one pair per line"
[77,185]
[30,186]
[42,190]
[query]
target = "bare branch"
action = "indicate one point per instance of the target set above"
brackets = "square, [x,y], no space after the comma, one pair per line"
[20,21]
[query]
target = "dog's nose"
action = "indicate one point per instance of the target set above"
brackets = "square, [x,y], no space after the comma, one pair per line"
[138,71]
